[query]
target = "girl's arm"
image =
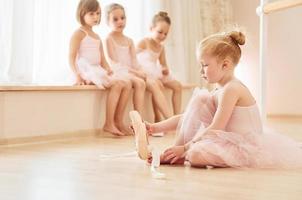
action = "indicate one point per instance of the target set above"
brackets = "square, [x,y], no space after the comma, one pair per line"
[141,45]
[74,46]
[163,62]
[137,70]
[166,125]
[133,55]
[104,62]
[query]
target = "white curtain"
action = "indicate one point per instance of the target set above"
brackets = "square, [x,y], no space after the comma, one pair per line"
[192,20]
[35,34]
[6,22]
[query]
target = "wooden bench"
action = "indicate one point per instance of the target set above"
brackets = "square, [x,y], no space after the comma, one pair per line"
[35,113]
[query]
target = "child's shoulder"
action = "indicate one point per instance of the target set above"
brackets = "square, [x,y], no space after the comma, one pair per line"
[108,37]
[143,43]
[236,88]
[233,84]
[79,34]
[129,39]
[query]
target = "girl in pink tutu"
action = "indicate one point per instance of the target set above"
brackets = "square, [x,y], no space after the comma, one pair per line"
[223,128]
[121,54]
[151,56]
[90,67]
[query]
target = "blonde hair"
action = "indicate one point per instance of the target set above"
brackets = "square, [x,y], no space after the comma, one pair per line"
[223,45]
[112,7]
[161,16]
[84,7]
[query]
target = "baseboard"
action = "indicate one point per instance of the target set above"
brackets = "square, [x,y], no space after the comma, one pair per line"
[50,138]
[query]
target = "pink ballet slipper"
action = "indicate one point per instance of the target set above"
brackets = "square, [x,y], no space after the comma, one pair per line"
[140,133]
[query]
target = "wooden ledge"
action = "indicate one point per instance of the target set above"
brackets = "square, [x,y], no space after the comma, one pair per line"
[49,88]
[64,88]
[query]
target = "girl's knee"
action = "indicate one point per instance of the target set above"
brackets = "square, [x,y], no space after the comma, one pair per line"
[124,82]
[139,84]
[150,81]
[117,84]
[176,86]
[195,158]
[153,85]
[127,85]
[160,84]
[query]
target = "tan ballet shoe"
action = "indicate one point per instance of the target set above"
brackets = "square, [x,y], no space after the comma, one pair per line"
[140,134]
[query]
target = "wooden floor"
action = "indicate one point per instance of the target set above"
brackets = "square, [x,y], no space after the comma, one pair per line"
[79,169]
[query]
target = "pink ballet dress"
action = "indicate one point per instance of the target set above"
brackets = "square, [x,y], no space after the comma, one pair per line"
[88,62]
[243,143]
[123,54]
[148,60]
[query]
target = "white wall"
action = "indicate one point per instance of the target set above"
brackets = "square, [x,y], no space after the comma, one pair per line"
[285,50]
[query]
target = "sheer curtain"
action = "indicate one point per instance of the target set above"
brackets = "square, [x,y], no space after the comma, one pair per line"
[35,34]
[192,20]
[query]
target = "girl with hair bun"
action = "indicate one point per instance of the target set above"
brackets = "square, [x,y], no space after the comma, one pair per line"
[223,128]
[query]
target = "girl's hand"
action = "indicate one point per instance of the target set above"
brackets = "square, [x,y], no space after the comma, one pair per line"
[139,74]
[165,71]
[174,153]
[142,75]
[80,80]
[109,72]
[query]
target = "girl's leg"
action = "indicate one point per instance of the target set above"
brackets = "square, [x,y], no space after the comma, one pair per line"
[176,88]
[160,100]
[139,92]
[199,157]
[115,89]
[166,125]
[157,116]
[121,107]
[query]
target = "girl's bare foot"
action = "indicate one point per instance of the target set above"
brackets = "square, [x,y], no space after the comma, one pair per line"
[124,129]
[113,130]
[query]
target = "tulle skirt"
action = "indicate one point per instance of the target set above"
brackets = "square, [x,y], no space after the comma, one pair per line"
[121,72]
[266,149]
[94,73]
[152,69]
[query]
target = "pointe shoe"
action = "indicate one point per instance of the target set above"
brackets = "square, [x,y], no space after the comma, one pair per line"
[140,134]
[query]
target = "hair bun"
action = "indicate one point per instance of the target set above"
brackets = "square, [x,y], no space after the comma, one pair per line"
[238,37]
[163,14]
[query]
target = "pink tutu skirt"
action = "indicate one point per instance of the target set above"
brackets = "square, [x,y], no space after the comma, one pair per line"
[120,71]
[151,67]
[249,148]
[94,73]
